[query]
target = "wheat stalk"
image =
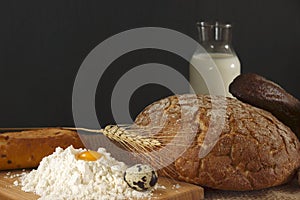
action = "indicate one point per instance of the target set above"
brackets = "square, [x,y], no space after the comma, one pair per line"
[139,140]
[123,135]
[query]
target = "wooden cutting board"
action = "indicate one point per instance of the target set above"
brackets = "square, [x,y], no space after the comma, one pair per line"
[8,191]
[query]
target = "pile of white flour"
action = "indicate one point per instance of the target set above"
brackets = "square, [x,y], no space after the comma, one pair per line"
[60,176]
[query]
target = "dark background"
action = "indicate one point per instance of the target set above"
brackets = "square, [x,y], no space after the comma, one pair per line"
[43,43]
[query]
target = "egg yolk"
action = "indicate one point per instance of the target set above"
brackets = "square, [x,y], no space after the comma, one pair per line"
[88,155]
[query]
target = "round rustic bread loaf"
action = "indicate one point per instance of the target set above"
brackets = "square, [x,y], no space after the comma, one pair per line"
[253,150]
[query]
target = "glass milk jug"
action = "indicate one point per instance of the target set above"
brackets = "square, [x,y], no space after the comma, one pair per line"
[216,40]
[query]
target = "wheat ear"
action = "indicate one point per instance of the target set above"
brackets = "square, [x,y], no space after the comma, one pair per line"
[127,137]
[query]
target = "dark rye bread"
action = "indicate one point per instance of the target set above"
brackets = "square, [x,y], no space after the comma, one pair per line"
[25,149]
[254,150]
[260,92]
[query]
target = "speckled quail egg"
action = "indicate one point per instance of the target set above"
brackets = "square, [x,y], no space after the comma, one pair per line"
[140,177]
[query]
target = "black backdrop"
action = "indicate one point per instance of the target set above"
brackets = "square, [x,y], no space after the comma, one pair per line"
[43,43]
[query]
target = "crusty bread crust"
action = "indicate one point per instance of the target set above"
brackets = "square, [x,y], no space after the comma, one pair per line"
[25,149]
[254,150]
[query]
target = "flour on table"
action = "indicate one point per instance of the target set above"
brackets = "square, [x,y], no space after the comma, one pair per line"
[177,186]
[60,176]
